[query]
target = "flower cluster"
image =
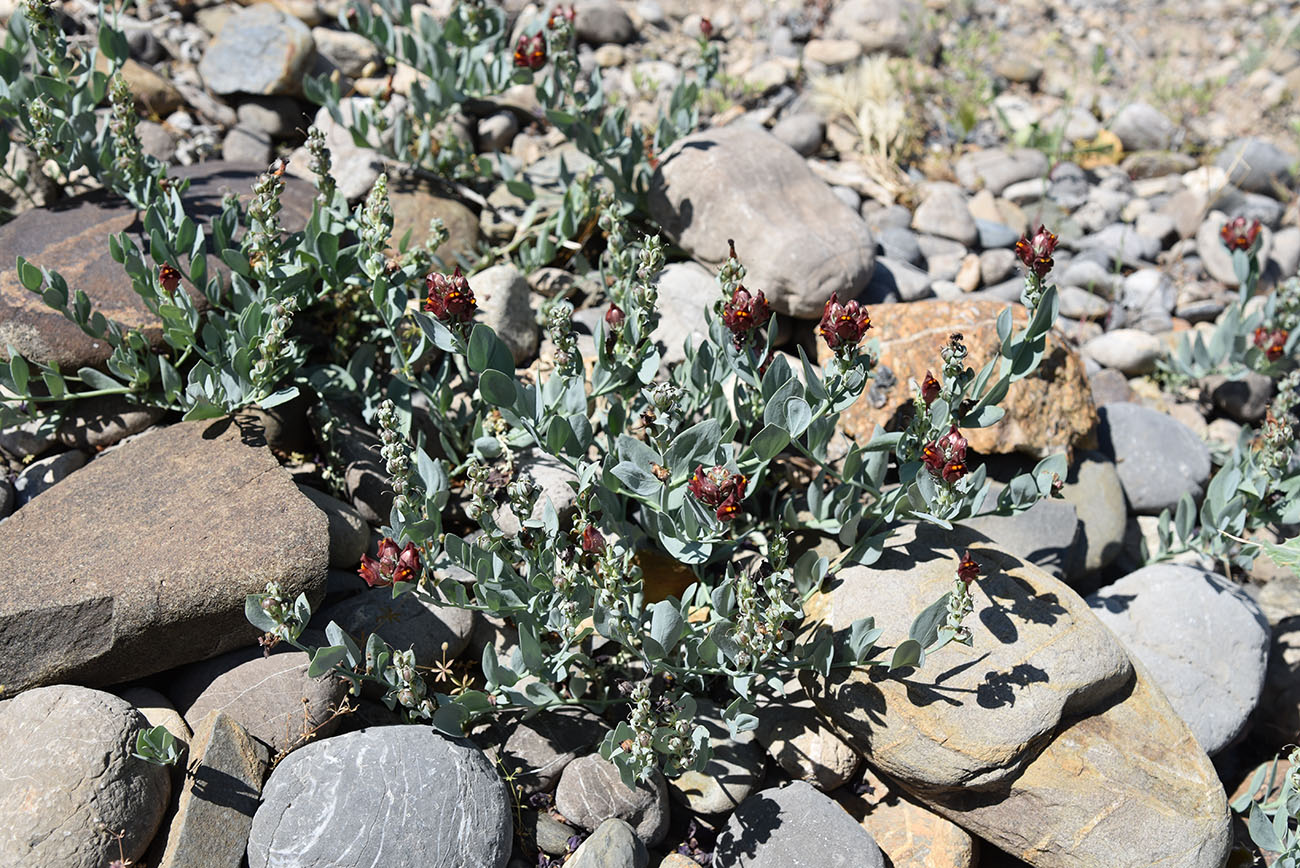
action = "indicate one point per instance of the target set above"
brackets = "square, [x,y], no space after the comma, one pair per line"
[945,458]
[394,565]
[1240,234]
[967,570]
[744,314]
[1271,341]
[843,325]
[169,278]
[719,488]
[1036,251]
[406,685]
[930,389]
[530,52]
[762,610]
[560,16]
[960,603]
[450,299]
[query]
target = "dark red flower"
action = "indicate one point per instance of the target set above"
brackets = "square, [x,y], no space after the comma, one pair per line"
[718,487]
[1237,234]
[530,52]
[1036,251]
[614,317]
[169,277]
[706,27]
[929,388]
[946,457]
[593,542]
[1273,343]
[559,13]
[745,313]
[843,325]
[450,298]
[968,571]
[394,565]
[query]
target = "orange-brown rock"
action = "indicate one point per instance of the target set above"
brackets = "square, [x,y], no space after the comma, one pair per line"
[908,833]
[1048,411]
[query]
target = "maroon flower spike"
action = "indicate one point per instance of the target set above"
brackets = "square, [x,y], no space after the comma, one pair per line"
[593,543]
[169,277]
[929,388]
[559,13]
[394,565]
[745,313]
[946,457]
[450,298]
[719,488]
[706,28]
[1273,343]
[1036,251]
[1237,234]
[530,52]
[968,571]
[614,317]
[843,325]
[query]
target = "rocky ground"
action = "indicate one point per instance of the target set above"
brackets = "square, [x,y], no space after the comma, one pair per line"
[1133,130]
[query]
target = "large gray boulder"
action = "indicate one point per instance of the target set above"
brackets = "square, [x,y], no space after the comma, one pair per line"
[1158,458]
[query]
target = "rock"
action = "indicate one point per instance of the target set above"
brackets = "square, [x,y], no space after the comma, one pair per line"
[1043,737]
[1245,399]
[1147,298]
[943,257]
[832,52]
[894,279]
[603,21]
[911,336]
[1120,242]
[733,772]
[354,168]
[502,295]
[1130,351]
[1038,655]
[156,141]
[1278,719]
[1285,255]
[1156,164]
[1159,459]
[153,94]
[798,242]
[541,746]
[802,743]
[968,275]
[259,50]
[794,827]
[804,132]
[1078,303]
[1140,127]
[1204,642]
[348,533]
[28,440]
[71,238]
[434,633]
[158,711]
[393,795]
[271,696]
[614,844]
[556,481]
[68,772]
[900,243]
[550,835]
[219,798]
[350,53]
[1092,276]
[118,593]
[1215,257]
[590,792]
[896,28]
[995,265]
[906,832]
[44,473]
[495,133]
[996,169]
[246,146]
[943,212]
[686,291]
[1258,166]
[276,116]
[1047,535]
[94,423]
[1094,488]
[415,204]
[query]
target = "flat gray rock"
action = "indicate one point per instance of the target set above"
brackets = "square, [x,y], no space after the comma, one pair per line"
[396,796]
[686,291]
[220,796]
[591,791]
[540,747]
[259,50]
[434,633]
[66,768]
[349,534]
[1159,459]
[1257,165]
[147,554]
[614,844]
[996,169]
[1093,487]
[1047,534]
[1204,641]
[797,240]
[502,295]
[795,827]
